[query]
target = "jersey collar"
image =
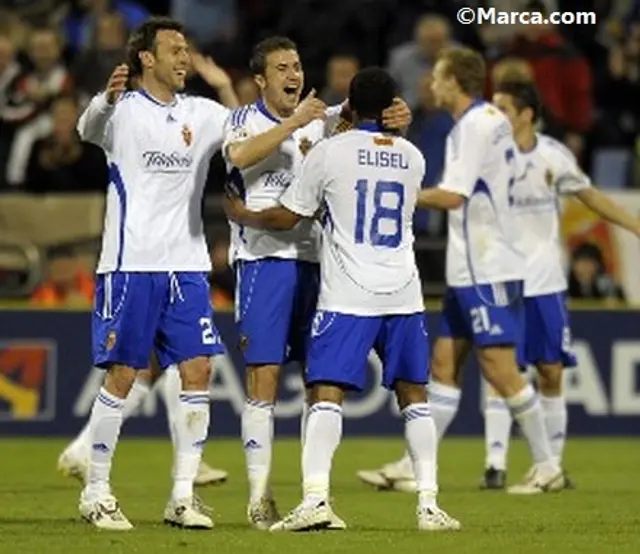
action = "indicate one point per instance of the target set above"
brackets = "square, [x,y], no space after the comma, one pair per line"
[148,96]
[370,127]
[262,108]
[477,102]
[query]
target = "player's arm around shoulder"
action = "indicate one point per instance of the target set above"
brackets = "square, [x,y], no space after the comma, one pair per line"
[301,200]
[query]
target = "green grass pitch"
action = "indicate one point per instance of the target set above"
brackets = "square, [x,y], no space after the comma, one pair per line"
[38,507]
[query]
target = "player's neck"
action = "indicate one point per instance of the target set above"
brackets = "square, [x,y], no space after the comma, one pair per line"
[157,90]
[526,140]
[461,106]
[275,112]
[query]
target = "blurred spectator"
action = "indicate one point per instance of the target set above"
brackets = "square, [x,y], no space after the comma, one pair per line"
[94,66]
[36,13]
[340,70]
[511,69]
[408,62]
[68,282]
[428,131]
[563,78]
[207,22]
[61,162]
[246,90]
[35,90]
[588,279]
[222,278]
[80,26]
[618,93]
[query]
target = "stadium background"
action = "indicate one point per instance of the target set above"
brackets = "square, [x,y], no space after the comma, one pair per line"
[54,55]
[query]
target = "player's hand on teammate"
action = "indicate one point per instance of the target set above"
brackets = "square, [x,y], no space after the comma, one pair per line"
[117,83]
[309,109]
[210,71]
[397,116]
[233,206]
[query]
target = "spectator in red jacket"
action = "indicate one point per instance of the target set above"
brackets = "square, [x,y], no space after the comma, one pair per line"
[562,76]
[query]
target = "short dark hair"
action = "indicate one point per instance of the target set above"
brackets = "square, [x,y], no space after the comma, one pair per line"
[467,67]
[537,6]
[370,92]
[143,39]
[258,61]
[524,95]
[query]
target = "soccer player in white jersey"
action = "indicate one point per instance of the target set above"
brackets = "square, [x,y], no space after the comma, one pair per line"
[367,182]
[482,307]
[152,290]
[74,460]
[277,271]
[547,170]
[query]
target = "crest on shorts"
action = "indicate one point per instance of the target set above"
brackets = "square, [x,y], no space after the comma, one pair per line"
[111,340]
[305,145]
[243,342]
[187,135]
[548,177]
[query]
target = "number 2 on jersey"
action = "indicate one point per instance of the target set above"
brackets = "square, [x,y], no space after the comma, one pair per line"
[393,190]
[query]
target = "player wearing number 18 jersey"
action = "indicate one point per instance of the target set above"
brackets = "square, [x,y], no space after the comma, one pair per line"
[367,181]
[482,307]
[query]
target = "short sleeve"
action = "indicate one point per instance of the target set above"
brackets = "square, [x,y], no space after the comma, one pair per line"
[237,127]
[464,158]
[332,120]
[305,194]
[570,178]
[215,116]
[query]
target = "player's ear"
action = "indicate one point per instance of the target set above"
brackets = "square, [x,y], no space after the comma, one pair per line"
[260,81]
[146,58]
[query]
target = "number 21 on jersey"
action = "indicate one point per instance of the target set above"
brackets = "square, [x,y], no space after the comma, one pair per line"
[388,205]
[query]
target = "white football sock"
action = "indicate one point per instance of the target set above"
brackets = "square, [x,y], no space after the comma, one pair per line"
[257,438]
[191,429]
[304,416]
[139,391]
[497,432]
[443,403]
[324,431]
[104,424]
[555,420]
[422,442]
[525,409]
[170,390]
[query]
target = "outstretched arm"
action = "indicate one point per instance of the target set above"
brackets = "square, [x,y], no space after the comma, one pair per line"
[439,199]
[608,210]
[216,78]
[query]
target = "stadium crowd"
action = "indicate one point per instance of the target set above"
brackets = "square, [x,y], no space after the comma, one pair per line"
[55,54]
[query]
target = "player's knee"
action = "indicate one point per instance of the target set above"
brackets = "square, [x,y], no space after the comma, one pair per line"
[500,369]
[550,379]
[442,368]
[326,392]
[262,382]
[409,393]
[119,379]
[194,373]
[146,376]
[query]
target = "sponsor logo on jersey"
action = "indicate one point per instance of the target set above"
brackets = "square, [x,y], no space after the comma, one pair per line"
[278,179]
[156,160]
[27,380]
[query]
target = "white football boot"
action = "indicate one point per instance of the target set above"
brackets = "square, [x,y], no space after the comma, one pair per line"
[305,517]
[539,480]
[396,476]
[74,462]
[263,514]
[436,519]
[187,513]
[104,513]
[208,475]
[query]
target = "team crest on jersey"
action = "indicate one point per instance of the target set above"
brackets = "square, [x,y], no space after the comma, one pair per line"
[187,135]
[111,340]
[548,177]
[305,145]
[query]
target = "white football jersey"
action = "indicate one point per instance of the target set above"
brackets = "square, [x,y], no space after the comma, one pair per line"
[158,156]
[480,165]
[367,183]
[545,172]
[262,185]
